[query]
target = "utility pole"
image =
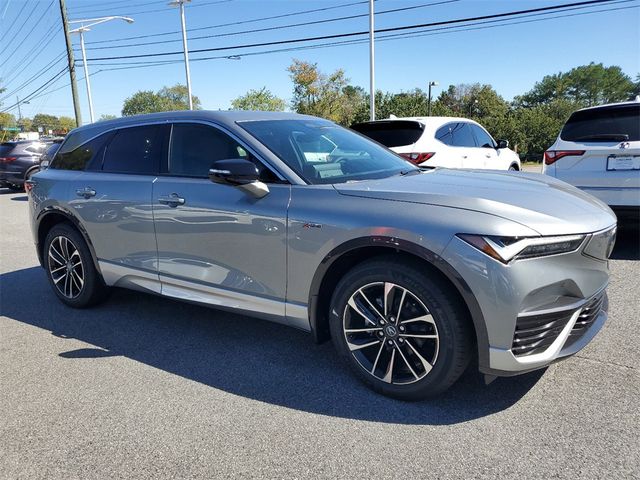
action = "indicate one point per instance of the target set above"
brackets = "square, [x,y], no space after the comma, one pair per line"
[372,82]
[181,3]
[19,112]
[431,84]
[72,65]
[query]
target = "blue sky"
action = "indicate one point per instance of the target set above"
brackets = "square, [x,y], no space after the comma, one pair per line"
[511,58]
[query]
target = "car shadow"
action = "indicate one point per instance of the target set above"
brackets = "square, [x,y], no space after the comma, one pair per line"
[22,198]
[241,355]
[627,244]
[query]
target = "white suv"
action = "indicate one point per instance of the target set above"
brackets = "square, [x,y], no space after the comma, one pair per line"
[598,151]
[442,142]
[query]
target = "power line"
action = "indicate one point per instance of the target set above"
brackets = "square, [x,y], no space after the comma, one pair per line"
[39,89]
[439,31]
[280,27]
[32,28]
[353,34]
[398,36]
[161,10]
[35,76]
[24,5]
[240,22]
[98,7]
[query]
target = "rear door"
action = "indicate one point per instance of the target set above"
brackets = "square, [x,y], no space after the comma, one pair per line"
[464,142]
[610,139]
[113,197]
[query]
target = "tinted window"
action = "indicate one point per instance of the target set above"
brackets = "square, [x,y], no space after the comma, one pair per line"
[609,124]
[353,158]
[6,148]
[84,157]
[483,138]
[135,150]
[195,147]
[444,134]
[37,148]
[462,136]
[396,133]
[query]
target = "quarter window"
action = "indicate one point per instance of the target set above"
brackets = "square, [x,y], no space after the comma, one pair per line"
[135,150]
[84,157]
[462,136]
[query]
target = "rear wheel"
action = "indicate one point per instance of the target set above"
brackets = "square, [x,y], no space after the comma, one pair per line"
[403,331]
[514,168]
[70,268]
[14,187]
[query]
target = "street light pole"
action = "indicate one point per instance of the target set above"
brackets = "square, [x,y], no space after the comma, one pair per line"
[431,84]
[185,48]
[86,74]
[81,30]
[372,82]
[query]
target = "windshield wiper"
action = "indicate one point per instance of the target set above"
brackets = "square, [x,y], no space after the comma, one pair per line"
[409,172]
[603,137]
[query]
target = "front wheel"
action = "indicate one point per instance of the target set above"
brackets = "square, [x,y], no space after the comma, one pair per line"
[402,330]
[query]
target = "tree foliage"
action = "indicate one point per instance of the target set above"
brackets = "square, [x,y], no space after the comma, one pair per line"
[164,100]
[261,99]
[106,116]
[328,96]
[45,122]
[586,86]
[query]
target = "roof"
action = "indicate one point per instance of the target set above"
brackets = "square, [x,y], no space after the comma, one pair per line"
[224,117]
[636,101]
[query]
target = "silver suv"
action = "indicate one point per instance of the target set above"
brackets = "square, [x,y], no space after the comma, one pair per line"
[411,272]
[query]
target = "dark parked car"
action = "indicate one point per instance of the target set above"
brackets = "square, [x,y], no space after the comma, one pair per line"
[18,161]
[49,153]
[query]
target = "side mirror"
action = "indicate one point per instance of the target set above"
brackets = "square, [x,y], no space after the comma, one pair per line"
[503,144]
[240,173]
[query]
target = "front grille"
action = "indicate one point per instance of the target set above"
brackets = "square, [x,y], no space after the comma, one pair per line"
[535,333]
[587,316]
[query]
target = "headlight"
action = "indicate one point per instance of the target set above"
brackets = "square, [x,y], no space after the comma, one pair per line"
[505,249]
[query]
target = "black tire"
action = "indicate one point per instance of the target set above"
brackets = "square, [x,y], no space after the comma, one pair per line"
[451,326]
[15,188]
[514,168]
[85,293]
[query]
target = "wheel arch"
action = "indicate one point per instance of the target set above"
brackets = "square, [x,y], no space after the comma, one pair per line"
[346,256]
[52,216]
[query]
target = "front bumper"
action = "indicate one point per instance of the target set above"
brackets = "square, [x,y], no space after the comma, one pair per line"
[536,310]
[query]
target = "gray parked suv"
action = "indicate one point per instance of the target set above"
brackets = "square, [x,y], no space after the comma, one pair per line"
[412,273]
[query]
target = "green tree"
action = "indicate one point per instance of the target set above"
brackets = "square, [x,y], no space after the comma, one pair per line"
[164,100]
[106,116]
[261,99]
[66,124]
[7,120]
[326,96]
[46,122]
[586,85]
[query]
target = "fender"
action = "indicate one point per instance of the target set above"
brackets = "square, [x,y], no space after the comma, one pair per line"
[55,209]
[400,245]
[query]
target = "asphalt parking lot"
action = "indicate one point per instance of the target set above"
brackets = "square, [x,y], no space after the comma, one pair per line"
[144,387]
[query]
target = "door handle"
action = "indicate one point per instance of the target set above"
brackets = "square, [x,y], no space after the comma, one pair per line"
[488,155]
[86,192]
[464,156]
[172,200]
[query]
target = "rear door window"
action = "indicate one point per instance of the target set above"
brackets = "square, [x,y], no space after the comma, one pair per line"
[608,124]
[396,133]
[136,150]
[462,136]
[483,138]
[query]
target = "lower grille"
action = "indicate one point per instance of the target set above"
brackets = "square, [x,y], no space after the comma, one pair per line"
[535,333]
[586,318]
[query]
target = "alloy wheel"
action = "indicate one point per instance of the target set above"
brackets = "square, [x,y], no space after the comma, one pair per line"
[390,333]
[65,267]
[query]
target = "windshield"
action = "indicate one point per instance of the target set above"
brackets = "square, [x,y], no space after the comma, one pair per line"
[322,152]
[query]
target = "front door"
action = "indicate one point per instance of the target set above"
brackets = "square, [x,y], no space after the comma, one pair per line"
[218,244]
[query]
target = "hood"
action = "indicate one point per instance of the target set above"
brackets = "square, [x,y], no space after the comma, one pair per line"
[542,203]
